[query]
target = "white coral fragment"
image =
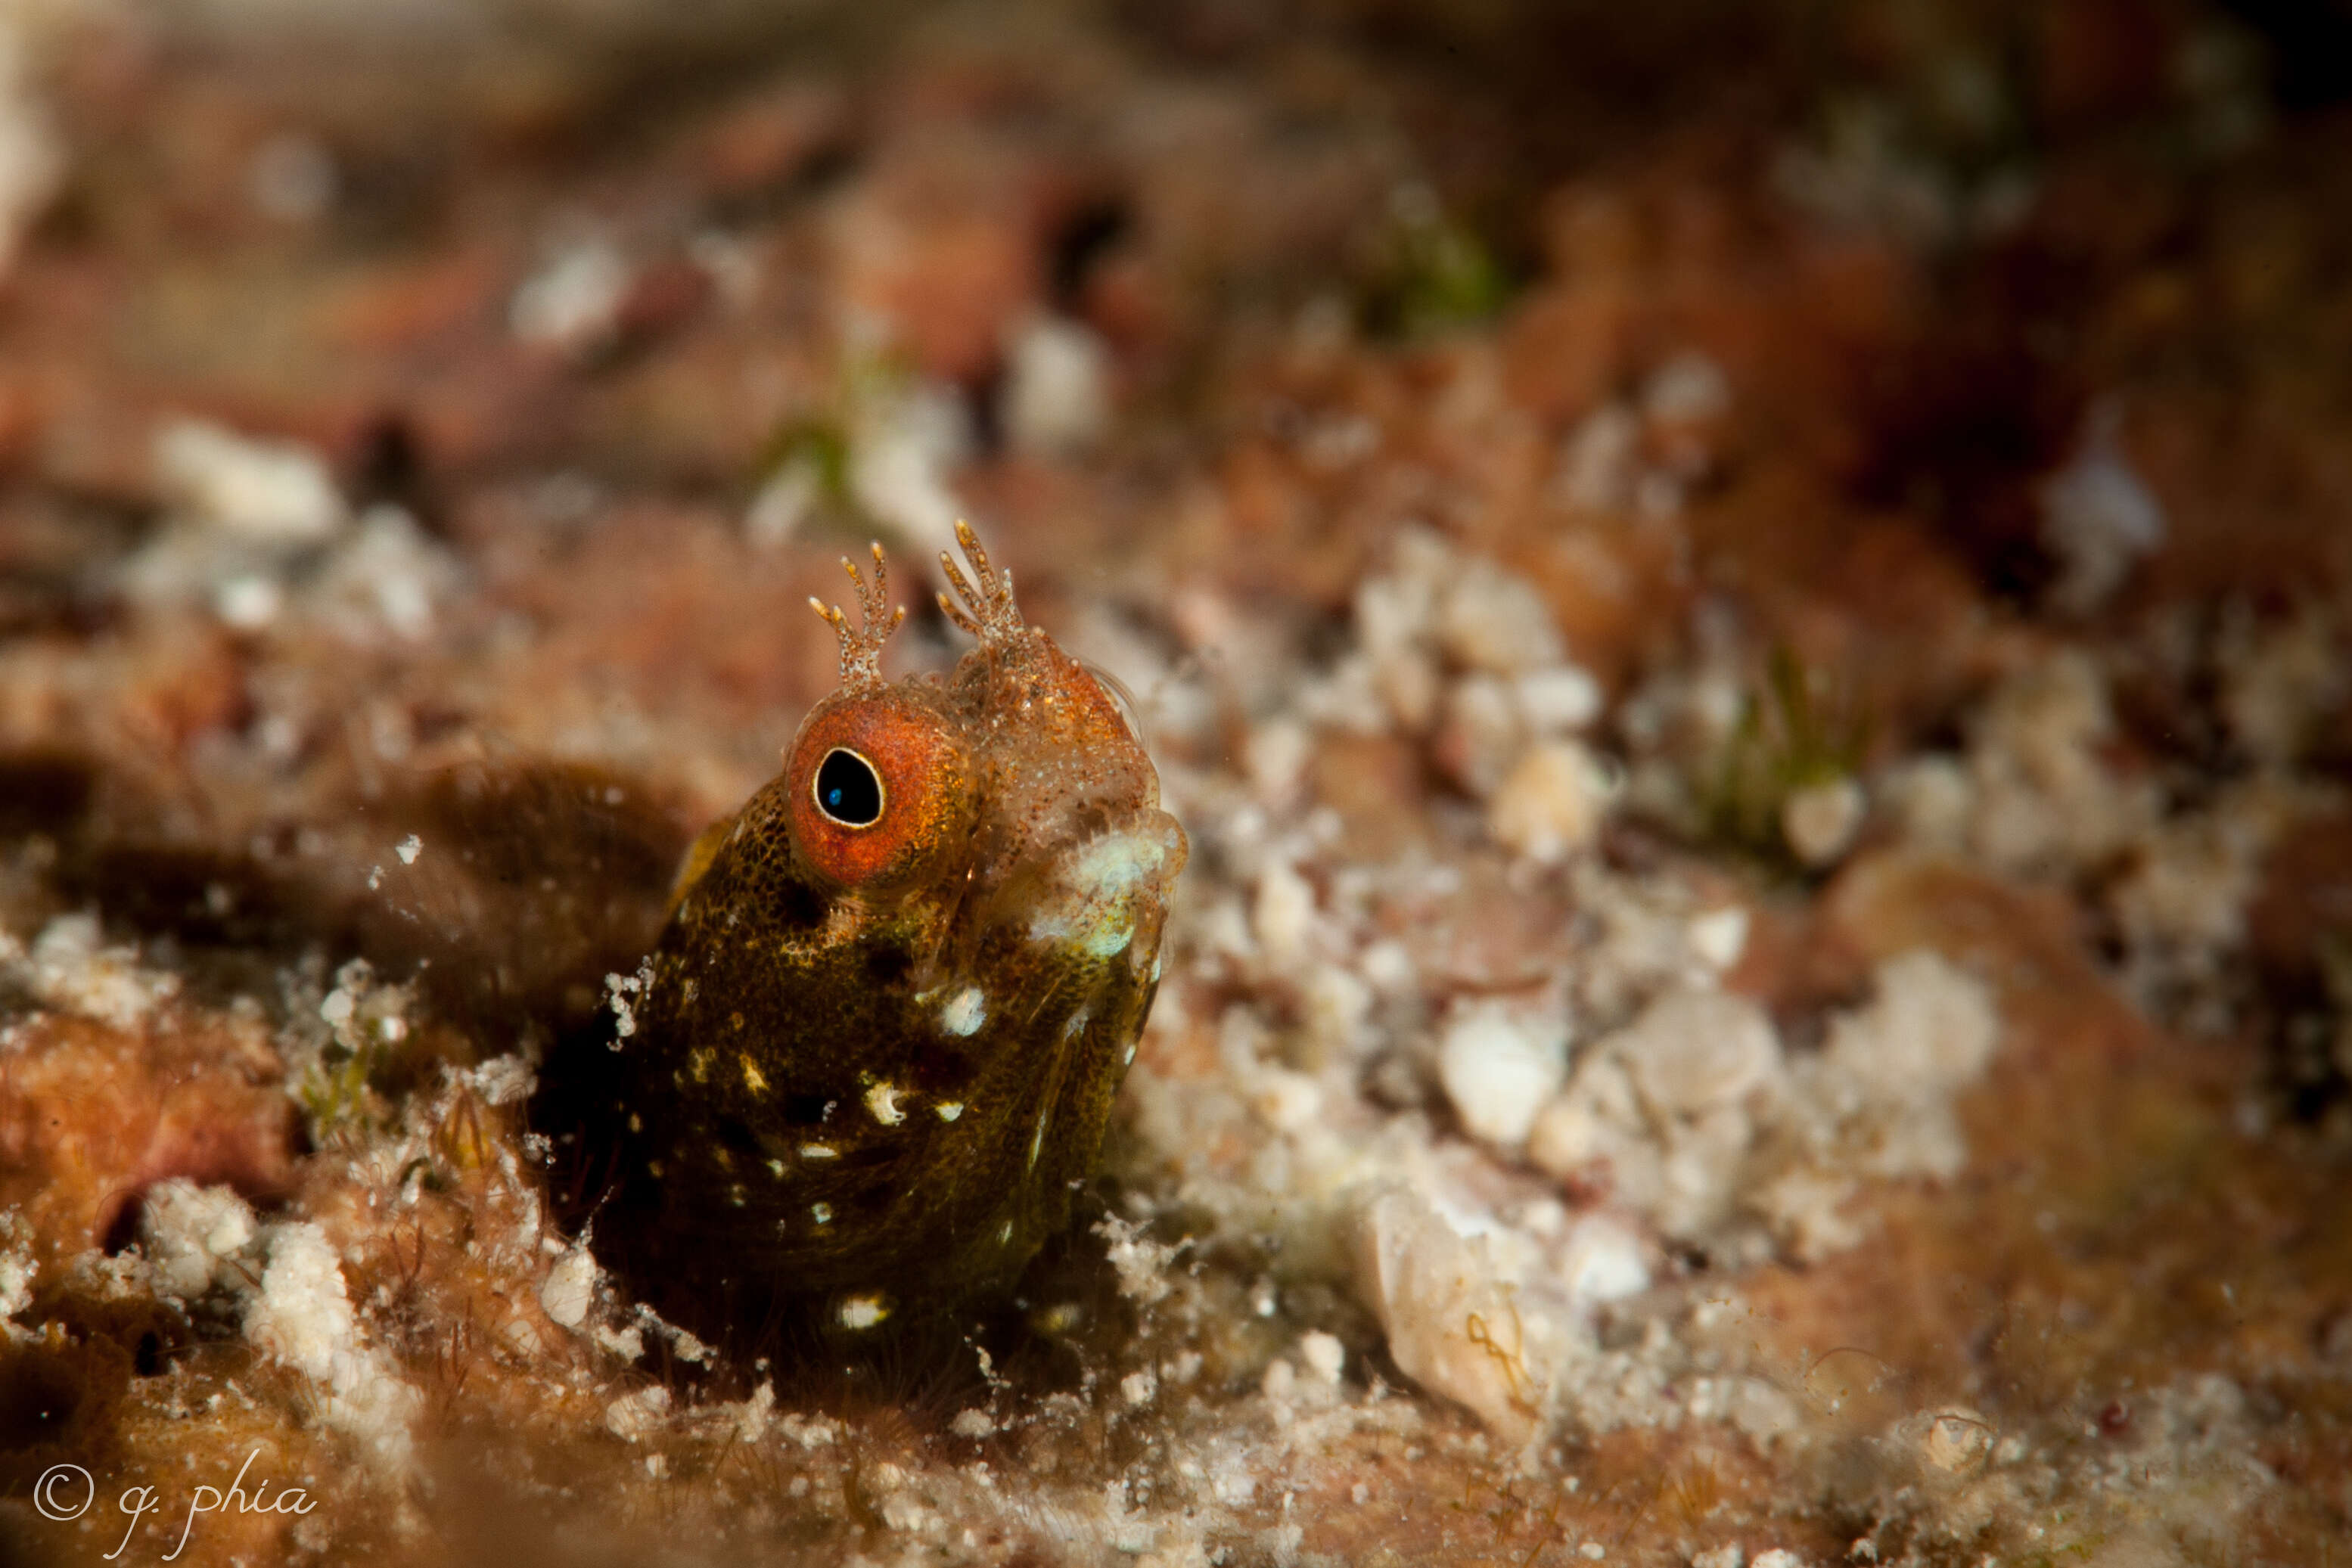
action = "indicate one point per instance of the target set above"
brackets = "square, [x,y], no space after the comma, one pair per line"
[69,970]
[1493,620]
[2043,796]
[1551,803]
[1450,1311]
[569,1288]
[261,492]
[1500,1064]
[192,1235]
[1930,1029]
[1819,821]
[1692,1051]
[302,1316]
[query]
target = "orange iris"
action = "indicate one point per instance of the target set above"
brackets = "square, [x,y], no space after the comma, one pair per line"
[879,788]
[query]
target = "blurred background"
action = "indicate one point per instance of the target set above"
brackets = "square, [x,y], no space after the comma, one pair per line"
[658,246]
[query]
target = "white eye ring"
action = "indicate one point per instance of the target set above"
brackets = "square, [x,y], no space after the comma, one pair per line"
[841,796]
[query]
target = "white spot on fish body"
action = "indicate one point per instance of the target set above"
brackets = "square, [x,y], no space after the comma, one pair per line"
[819,1151]
[965,1012]
[1095,905]
[863,1312]
[1115,863]
[882,1102]
[821,1213]
[949,1110]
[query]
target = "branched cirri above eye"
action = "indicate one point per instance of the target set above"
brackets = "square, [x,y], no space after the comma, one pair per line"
[849,789]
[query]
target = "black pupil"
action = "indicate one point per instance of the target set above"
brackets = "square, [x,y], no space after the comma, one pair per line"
[847,789]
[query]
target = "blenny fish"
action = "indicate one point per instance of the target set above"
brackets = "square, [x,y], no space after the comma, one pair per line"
[876,1049]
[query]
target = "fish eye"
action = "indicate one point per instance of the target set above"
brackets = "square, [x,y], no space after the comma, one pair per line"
[848,788]
[881,786]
